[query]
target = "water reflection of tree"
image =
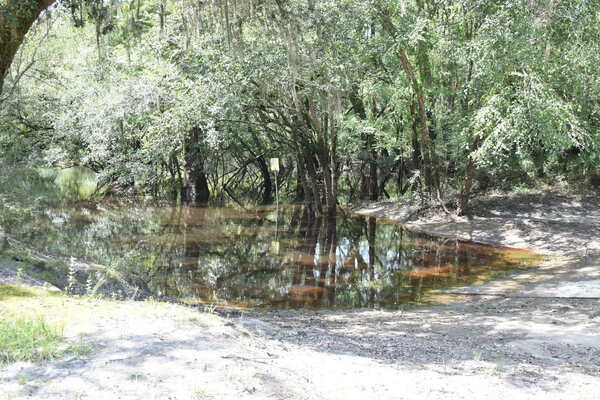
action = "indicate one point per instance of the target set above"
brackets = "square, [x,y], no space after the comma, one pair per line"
[226,254]
[318,262]
[241,265]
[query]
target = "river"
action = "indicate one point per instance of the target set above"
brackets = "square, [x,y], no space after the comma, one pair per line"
[250,257]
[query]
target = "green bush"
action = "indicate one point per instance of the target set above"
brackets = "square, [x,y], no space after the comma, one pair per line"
[76,183]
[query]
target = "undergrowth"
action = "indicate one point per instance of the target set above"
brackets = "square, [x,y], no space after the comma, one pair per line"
[25,339]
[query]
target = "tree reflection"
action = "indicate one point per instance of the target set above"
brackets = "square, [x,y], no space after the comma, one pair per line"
[251,257]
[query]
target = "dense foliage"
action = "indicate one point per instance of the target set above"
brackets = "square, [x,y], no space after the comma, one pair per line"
[360,99]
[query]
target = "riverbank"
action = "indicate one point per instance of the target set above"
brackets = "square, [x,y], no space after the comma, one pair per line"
[551,221]
[530,335]
[563,226]
[490,348]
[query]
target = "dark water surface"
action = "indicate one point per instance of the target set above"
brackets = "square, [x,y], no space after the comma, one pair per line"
[255,257]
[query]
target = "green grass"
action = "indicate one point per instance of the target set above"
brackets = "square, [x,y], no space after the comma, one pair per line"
[7,291]
[81,349]
[24,339]
[136,376]
[26,334]
[32,322]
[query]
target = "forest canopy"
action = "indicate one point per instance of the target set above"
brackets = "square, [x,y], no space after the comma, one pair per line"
[360,100]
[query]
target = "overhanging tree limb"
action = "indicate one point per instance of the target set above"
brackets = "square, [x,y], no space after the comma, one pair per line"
[16,18]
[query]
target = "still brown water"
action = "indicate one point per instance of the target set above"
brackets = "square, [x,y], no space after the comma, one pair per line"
[259,257]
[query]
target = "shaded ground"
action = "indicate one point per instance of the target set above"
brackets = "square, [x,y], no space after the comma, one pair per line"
[489,349]
[532,335]
[550,222]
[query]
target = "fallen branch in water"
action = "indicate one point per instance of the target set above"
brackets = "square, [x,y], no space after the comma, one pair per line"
[69,270]
[44,257]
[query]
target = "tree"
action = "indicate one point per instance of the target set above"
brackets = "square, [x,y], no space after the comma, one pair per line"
[359,99]
[16,18]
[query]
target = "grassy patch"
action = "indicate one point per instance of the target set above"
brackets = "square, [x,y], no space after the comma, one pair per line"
[81,349]
[8,291]
[33,321]
[25,339]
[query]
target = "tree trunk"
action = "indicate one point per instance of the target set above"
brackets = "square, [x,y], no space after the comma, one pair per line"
[261,162]
[329,176]
[373,189]
[195,186]
[465,191]
[300,183]
[202,192]
[267,195]
[330,189]
[332,243]
[429,176]
[16,18]
[313,185]
[369,186]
